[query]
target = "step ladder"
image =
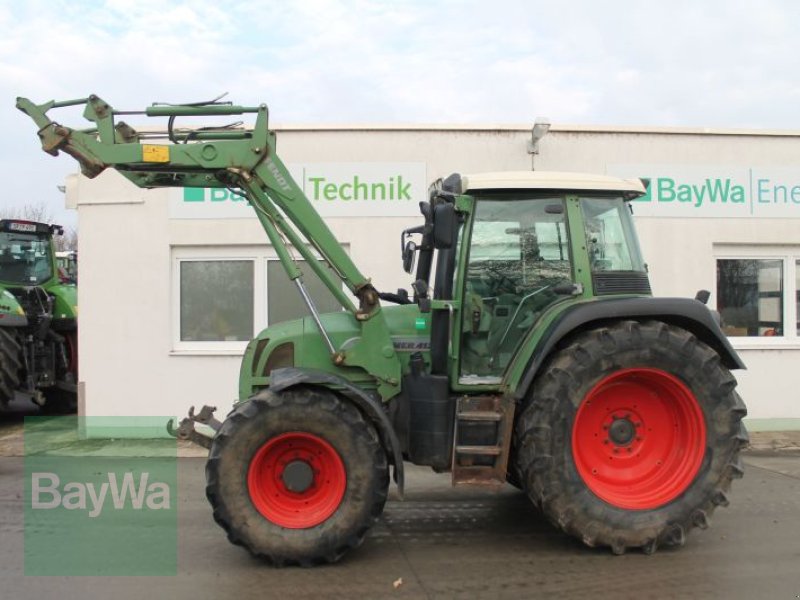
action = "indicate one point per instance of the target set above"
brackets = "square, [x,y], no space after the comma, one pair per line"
[482,440]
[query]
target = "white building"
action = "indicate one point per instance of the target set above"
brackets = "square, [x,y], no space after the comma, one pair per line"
[158,333]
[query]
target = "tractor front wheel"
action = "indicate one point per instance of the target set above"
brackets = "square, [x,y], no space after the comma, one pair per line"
[631,436]
[297,477]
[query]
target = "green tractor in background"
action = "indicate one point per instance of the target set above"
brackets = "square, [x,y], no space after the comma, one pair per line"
[67,263]
[38,319]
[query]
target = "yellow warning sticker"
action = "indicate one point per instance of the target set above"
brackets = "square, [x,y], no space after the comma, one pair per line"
[151,153]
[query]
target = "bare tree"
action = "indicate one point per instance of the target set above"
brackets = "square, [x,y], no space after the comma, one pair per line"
[68,241]
[39,212]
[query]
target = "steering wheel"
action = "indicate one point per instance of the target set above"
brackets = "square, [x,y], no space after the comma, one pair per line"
[497,282]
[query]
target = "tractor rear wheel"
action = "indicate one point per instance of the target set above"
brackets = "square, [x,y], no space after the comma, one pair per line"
[10,365]
[297,477]
[632,436]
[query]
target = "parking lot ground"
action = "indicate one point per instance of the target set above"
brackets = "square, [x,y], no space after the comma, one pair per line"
[442,542]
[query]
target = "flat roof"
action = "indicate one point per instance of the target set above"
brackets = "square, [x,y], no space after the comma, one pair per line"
[554,128]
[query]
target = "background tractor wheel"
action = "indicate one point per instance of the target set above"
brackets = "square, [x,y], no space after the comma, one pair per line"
[631,436]
[10,365]
[297,477]
[59,401]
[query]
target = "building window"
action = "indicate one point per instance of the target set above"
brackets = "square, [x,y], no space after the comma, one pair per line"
[216,300]
[797,296]
[224,296]
[750,296]
[758,294]
[283,299]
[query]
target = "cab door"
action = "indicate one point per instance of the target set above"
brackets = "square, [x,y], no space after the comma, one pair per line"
[518,255]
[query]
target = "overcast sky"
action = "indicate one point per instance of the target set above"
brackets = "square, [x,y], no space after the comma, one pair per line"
[675,63]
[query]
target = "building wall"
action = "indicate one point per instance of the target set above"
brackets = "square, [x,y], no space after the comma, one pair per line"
[128,244]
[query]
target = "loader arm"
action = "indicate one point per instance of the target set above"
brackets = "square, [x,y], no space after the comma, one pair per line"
[244,160]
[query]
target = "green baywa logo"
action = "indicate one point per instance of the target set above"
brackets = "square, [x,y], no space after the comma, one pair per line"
[710,191]
[319,189]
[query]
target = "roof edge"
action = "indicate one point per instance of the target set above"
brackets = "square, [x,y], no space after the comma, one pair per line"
[554,128]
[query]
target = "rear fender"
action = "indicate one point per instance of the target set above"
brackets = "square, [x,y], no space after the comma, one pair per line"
[686,313]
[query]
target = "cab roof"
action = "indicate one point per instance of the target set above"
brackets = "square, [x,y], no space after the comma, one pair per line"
[550,180]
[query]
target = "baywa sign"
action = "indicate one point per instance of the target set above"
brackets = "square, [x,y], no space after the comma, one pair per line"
[715,191]
[335,190]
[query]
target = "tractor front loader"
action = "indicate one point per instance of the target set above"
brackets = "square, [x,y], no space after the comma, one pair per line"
[532,353]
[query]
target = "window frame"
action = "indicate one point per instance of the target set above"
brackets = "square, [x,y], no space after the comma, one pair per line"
[789,257]
[260,256]
[200,254]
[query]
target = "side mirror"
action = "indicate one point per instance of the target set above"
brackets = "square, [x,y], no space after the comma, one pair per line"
[444,226]
[409,252]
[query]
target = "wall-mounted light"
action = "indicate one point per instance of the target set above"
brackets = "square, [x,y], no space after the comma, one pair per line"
[540,128]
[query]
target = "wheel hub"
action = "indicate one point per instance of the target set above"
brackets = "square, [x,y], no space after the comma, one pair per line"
[621,431]
[297,476]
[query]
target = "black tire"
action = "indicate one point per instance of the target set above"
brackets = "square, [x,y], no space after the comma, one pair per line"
[544,435]
[317,412]
[59,402]
[10,366]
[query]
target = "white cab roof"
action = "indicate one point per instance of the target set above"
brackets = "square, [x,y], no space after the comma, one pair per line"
[549,180]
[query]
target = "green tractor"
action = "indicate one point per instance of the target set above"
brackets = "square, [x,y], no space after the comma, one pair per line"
[529,351]
[38,319]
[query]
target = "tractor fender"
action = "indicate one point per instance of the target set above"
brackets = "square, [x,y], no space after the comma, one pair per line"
[282,379]
[11,312]
[687,313]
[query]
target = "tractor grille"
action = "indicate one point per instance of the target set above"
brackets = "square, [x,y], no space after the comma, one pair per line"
[620,282]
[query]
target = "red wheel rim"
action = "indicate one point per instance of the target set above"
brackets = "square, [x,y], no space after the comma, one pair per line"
[296,480]
[639,438]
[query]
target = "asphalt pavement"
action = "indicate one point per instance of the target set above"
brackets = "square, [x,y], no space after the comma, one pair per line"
[444,542]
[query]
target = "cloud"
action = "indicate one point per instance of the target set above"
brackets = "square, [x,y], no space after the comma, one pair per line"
[723,64]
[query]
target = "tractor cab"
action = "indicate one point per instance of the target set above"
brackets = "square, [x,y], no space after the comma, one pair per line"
[26,254]
[523,242]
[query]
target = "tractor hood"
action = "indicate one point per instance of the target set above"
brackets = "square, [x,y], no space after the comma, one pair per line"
[298,343]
